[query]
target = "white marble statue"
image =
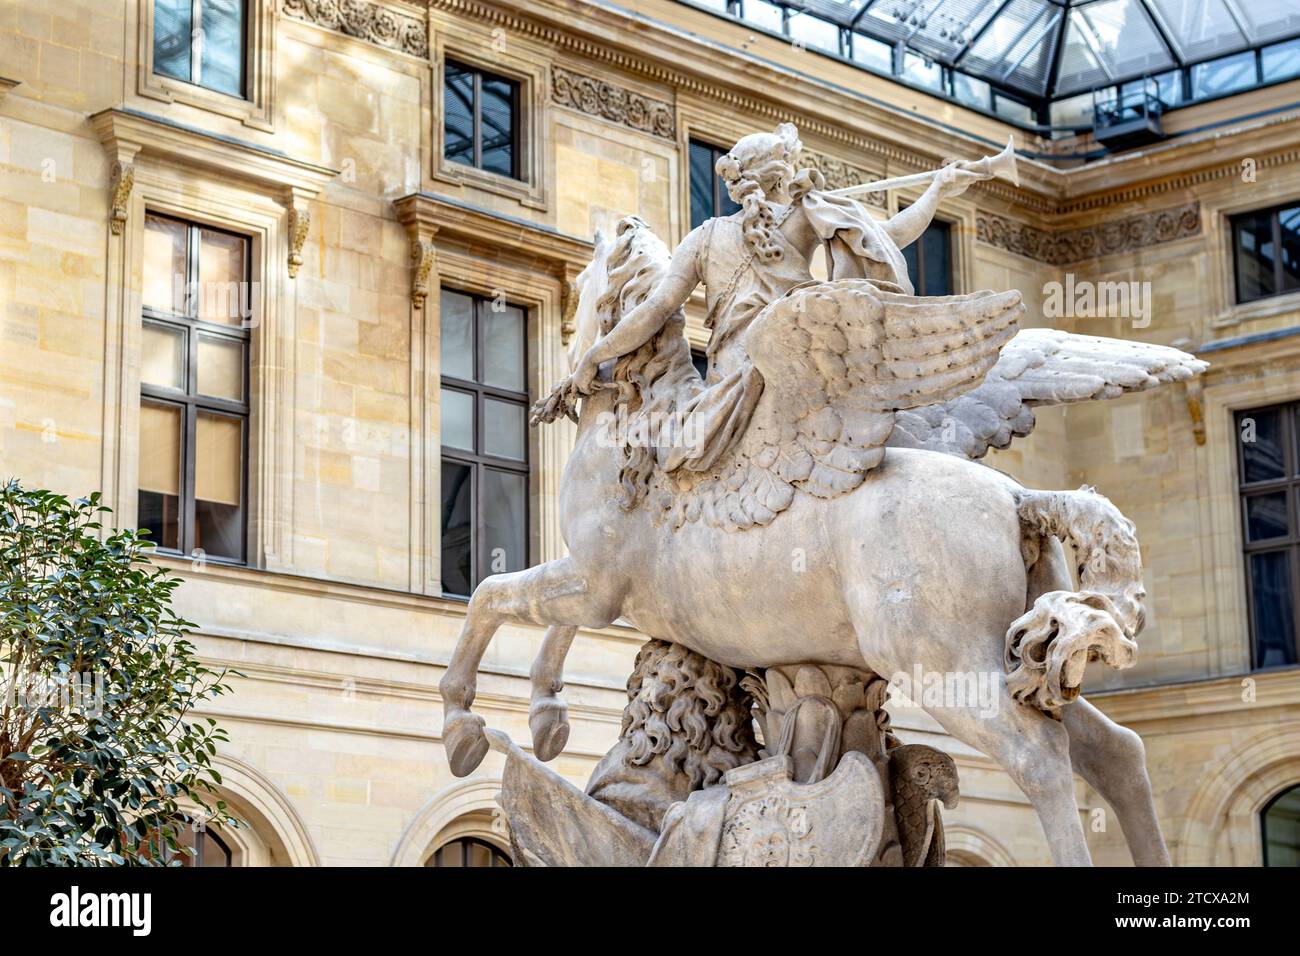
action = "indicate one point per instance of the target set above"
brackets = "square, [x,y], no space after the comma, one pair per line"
[816,501]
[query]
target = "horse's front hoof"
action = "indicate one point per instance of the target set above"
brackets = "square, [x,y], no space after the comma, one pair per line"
[465,742]
[548,719]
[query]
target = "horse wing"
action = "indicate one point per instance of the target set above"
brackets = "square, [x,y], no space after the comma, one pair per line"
[1038,367]
[840,359]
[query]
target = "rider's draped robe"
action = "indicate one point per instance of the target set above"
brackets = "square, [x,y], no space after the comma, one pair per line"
[739,284]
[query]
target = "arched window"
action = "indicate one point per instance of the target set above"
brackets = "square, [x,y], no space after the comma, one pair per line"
[1280,819]
[468,851]
[209,849]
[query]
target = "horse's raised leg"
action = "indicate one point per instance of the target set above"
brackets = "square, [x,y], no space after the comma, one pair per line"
[550,593]
[548,718]
[1112,759]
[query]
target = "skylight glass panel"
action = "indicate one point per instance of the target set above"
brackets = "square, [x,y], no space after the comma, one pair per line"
[1013,49]
[873,53]
[763,14]
[1122,37]
[814,31]
[1200,28]
[1225,75]
[1281,61]
[917,69]
[1269,19]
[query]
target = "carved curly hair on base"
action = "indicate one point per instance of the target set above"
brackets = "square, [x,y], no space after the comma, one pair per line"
[690,711]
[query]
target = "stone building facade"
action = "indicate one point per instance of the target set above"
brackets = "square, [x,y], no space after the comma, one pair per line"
[318,479]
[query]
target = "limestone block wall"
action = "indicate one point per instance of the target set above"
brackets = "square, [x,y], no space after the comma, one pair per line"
[338,624]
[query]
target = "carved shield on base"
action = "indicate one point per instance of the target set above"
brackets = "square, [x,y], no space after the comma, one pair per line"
[760,817]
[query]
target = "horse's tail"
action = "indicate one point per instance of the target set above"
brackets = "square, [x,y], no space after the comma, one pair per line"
[1048,647]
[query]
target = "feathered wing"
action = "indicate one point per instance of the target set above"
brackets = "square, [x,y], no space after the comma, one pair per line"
[1038,367]
[838,360]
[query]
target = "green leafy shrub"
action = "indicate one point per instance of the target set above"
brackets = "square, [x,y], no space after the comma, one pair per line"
[98,761]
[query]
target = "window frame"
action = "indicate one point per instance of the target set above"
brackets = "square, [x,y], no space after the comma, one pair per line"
[1263,819]
[191,403]
[196,16]
[254,108]
[463,843]
[476,135]
[719,188]
[478,460]
[534,154]
[918,281]
[1290,543]
[1275,221]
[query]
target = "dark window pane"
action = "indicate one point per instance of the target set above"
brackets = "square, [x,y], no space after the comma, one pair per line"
[456,311]
[218,491]
[701,362]
[1261,435]
[1289,221]
[503,347]
[936,248]
[911,256]
[222,63]
[457,417]
[1281,819]
[1266,516]
[702,176]
[1271,604]
[1255,254]
[504,528]
[212,851]
[497,124]
[457,528]
[504,429]
[458,115]
[172,26]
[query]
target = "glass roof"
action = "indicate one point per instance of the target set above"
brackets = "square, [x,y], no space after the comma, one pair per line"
[1049,49]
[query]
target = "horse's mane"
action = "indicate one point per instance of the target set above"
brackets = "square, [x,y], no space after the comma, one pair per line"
[651,379]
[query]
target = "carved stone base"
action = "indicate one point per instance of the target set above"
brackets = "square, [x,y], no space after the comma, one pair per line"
[687,785]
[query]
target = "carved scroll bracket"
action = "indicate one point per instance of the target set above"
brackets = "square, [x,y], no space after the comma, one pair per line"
[123,183]
[421,229]
[299,225]
[569,303]
[1196,409]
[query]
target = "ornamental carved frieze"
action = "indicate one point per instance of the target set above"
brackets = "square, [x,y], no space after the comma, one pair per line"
[1089,242]
[366,21]
[596,97]
[839,174]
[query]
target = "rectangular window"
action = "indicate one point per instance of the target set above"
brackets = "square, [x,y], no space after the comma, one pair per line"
[1266,252]
[708,192]
[1269,470]
[480,119]
[194,389]
[484,402]
[201,42]
[929,260]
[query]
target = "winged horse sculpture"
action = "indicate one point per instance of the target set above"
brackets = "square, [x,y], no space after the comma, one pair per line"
[816,498]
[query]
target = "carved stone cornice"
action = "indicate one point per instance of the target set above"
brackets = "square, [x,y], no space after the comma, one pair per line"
[595,97]
[1064,246]
[610,36]
[129,136]
[364,20]
[435,221]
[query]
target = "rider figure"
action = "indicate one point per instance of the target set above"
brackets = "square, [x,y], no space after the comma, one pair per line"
[751,258]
